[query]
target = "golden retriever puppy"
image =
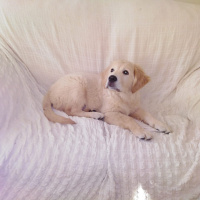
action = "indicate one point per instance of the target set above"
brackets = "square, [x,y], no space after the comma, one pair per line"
[113,95]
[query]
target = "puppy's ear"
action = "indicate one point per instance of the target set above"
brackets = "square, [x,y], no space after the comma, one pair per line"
[140,79]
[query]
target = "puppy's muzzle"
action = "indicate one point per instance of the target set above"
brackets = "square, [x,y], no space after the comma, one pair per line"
[112,83]
[112,79]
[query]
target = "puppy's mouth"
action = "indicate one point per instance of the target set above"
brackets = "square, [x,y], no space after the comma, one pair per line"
[112,86]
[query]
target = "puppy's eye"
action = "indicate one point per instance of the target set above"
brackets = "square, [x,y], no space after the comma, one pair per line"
[125,72]
[112,70]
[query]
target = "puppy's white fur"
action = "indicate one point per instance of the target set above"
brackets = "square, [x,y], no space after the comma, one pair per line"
[118,101]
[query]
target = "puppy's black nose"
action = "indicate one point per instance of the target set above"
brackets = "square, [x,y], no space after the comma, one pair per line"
[112,78]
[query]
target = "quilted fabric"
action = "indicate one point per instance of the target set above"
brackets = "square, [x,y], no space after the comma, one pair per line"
[42,40]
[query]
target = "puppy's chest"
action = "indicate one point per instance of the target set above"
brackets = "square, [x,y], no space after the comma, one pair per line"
[117,102]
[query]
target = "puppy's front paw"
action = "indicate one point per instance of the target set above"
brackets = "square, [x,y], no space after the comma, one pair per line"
[144,135]
[163,128]
[97,115]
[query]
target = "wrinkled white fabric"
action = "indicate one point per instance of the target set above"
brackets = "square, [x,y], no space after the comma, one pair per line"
[42,40]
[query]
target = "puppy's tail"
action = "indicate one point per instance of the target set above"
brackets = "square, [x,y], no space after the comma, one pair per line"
[50,115]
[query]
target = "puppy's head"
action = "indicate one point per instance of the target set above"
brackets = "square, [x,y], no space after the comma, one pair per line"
[123,76]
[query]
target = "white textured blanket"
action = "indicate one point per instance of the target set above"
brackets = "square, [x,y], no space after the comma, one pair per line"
[42,40]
